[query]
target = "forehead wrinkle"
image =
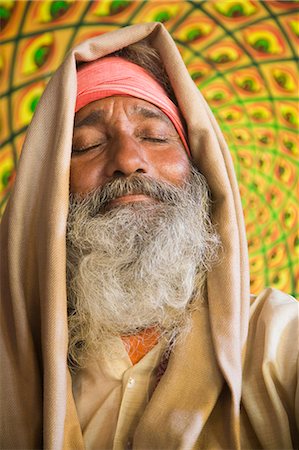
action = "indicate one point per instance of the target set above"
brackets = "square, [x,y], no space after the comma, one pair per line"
[150,113]
[99,115]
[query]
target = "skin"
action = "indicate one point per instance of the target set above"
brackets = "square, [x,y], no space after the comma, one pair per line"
[120,136]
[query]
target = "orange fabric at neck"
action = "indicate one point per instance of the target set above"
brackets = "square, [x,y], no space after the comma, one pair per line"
[138,345]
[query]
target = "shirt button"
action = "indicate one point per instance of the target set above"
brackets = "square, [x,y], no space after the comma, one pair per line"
[131,382]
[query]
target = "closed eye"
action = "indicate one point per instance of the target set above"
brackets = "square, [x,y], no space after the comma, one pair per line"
[155,139]
[86,149]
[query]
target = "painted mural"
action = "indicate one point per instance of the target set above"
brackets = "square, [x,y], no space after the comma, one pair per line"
[242,56]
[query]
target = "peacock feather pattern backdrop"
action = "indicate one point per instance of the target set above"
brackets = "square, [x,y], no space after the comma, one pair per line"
[241,54]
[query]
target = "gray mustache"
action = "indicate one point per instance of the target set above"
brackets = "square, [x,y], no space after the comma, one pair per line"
[135,184]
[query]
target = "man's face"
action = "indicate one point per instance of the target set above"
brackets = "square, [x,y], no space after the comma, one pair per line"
[139,245]
[121,136]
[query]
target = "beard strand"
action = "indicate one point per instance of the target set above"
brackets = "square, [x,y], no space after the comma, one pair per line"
[138,265]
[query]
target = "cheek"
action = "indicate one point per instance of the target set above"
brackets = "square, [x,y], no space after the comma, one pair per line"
[174,168]
[83,177]
[75,178]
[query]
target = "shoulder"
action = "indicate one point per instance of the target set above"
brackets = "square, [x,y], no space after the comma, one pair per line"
[270,374]
[273,312]
[273,327]
[272,299]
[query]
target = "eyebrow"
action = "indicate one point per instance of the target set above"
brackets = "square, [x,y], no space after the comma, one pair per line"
[92,119]
[98,115]
[149,113]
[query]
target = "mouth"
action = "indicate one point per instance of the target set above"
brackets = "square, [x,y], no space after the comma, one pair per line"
[129,198]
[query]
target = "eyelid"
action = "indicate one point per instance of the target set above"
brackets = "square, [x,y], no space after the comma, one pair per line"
[152,134]
[86,149]
[156,138]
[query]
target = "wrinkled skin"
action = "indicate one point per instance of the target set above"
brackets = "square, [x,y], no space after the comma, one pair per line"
[120,136]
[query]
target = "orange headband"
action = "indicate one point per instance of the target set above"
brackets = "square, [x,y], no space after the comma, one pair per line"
[113,75]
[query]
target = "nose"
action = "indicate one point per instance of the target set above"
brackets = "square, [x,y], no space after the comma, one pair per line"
[127,157]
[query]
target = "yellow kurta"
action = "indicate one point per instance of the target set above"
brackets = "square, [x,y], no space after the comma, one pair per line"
[112,395]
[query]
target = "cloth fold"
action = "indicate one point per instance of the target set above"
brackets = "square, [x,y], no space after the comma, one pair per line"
[37,406]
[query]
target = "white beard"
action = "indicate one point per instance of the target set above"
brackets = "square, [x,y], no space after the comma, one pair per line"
[138,265]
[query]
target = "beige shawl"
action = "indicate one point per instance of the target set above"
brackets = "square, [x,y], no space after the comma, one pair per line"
[37,406]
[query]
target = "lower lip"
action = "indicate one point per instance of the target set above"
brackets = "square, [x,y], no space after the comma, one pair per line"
[129,199]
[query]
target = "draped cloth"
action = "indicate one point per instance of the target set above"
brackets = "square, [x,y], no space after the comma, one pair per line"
[37,406]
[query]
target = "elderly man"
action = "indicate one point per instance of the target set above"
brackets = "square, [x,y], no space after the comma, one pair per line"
[125,304]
